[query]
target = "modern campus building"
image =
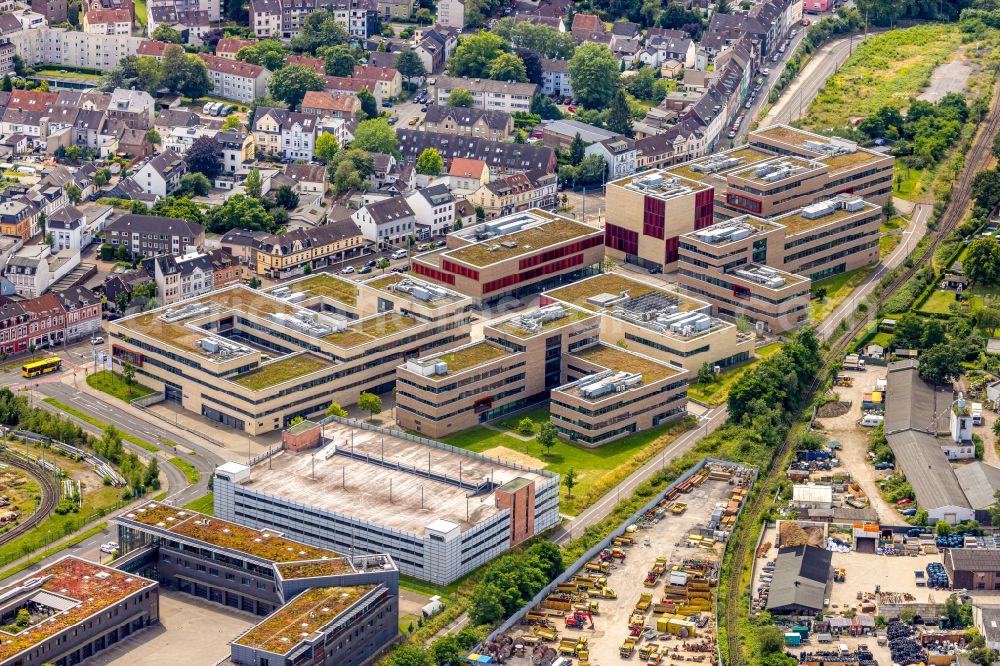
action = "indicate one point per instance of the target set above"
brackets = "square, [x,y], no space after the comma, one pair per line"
[76,610]
[255,360]
[514,256]
[781,170]
[762,269]
[320,608]
[438,511]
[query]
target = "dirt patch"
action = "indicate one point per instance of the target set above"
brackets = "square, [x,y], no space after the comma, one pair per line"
[833,409]
[510,455]
[793,534]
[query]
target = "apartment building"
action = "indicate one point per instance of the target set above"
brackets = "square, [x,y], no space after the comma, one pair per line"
[439,512]
[501,156]
[652,211]
[236,80]
[517,192]
[193,274]
[298,250]
[495,125]
[315,605]
[108,22]
[555,78]
[48,45]
[287,133]
[386,81]
[229,47]
[78,609]
[451,13]
[283,19]
[514,256]
[255,361]
[488,94]
[151,235]
[386,221]
[134,108]
[19,217]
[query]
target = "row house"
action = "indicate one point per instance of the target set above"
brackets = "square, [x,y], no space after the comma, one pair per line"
[387,221]
[49,320]
[516,193]
[33,269]
[186,276]
[300,250]
[19,217]
[502,157]
[236,80]
[152,235]
[496,125]
[287,133]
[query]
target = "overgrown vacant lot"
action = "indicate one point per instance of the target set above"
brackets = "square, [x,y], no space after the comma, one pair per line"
[885,70]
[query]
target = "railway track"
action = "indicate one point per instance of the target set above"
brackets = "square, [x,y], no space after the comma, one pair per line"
[49,488]
[977,159]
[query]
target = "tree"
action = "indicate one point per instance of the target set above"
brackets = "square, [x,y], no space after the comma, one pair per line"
[148,73]
[461,97]
[982,261]
[475,55]
[240,212]
[485,606]
[532,65]
[101,179]
[254,184]
[908,333]
[508,67]
[194,184]
[986,189]
[203,157]
[128,374]
[569,481]
[705,374]
[881,12]
[593,73]
[369,106]
[430,162]
[164,33]
[446,650]
[152,478]
[544,40]
[577,150]
[338,60]
[286,197]
[269,53]
[410,66]
[526,426]
[320,28]
[376,136]
[383,264]
[591,171]
[336,410]
[236,11]
[988,319]
[619,117]
[888,209]
[547,435]
[545,108]
[370,403]
[996,139]
[940,364]
[153,137]
[409,655]
[7,86]
[232,122]
[326,147]
[290,84]
[73,193]
[254,282]
[933,335]
[195,81]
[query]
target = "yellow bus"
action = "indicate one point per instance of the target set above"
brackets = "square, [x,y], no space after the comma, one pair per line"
[42,367]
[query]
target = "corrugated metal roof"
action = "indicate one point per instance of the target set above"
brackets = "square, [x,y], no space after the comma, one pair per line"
[925,466]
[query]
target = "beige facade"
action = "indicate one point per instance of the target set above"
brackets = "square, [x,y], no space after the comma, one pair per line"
[255,360]
[514,256]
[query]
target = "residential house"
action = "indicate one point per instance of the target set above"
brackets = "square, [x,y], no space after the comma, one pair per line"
[561,133]
[321,103]
[291,253]
[386,81]
[236,80]
[390,10]
[287,133]
[501,157]
[308,178]
[194,274]
[82,309]
[515,193]
[242,244]
[19,217]
[555,78]
[46,320]
[387,221]
[236,151]
[317,65]
[228,47]
[151,235]
[152,48]
[161,175]
[586,26]
[433,210]
[107,22]
[538,19]
[66,226]
[496,125]
[619,154]
[35,268]
[54,11]
[134,108]
[451,13]
[488,94]
[466,174]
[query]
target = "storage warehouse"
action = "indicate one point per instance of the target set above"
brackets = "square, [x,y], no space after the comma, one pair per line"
[801,581]
[973,568]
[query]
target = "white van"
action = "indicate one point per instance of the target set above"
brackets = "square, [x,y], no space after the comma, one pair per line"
[399,254]
[871,420]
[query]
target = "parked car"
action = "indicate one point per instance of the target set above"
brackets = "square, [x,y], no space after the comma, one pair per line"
[442,243]
[806,21]
[393,120]
[387,104]
[732,134]
[347,270]
[413,121]
[423,247]
[400,269]
[97,339]
[371,263]
[904,501]
[423,109]
[364,270]
[110,548]
[399,254]
[766,72]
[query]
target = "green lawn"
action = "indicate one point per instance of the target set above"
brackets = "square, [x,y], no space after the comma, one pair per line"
[113,384]
[939,302]
[717,392]
[910,187]
[886,244]
[204,504]
[97,423]
[597,470]
[537,415]
[190,471]
[140,12]
[838,288]
[883,339]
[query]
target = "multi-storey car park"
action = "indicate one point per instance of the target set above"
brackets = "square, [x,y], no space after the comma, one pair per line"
[780,170]
[320,607]
[438,511]
[255,360]
[514,256]
[598,392]
[762,269]
[76,610]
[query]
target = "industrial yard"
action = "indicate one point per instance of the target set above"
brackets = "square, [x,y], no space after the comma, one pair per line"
[649,594]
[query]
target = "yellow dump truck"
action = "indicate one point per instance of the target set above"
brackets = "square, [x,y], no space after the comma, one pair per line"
[569,646]
[648,649]
[679,508]
[676,626]
[627,648]
[660,567]
[546,634]
[645,599]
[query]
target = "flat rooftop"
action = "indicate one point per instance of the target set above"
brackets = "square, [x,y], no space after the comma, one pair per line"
[660,183]
[74,590]
[545,233]
[776,170]
[326,285]
[539,325]
[302,617]
[360,488]
[795,222]
[614,284]
[415,290]
[715,165]
[263,544]
[760,275]
[722,233]
[315,568]
[789,135]
[472,355]
[841,153]
[371,328]
[621,360]
[282,370]
[845,161]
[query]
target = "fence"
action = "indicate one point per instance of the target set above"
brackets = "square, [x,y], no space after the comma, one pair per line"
[574,568]
[100,466]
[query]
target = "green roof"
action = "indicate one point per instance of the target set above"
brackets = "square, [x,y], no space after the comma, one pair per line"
[544,235]
[279,371]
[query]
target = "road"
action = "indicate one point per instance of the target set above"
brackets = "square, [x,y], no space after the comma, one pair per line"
[775,70]
[916,230]
[797,97]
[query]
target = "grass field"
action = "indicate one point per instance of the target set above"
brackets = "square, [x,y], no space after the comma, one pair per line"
[940,302]
[55,73]
[140,12]
[114,385]
[911,185]
[885,70]
[190,471]
[537,415]
[597,470]
[717,392]
[838,288]
[204,504]
[97,423]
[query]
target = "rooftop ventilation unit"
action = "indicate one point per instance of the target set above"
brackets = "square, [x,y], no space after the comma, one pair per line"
[772,173]
[422,291]
[427,367]
[605,300]
[186,312]
[607,382]
[281,292]
[533,321]
[849,202]
[222,347]
[309,323]
[656,184]
[725,232]
[762,275]
[831,147]
[715,164]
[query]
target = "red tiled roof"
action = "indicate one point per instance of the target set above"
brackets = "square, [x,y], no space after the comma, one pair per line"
[346,83]
[374,73]
[315,64]
[44,305]
[151,47]
[462,167]
[233,45]
[98,16]
[587,23]
[31,100]
[329,102]
[234,67]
